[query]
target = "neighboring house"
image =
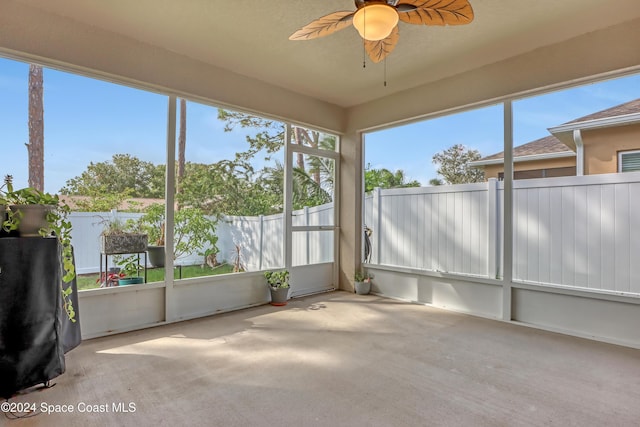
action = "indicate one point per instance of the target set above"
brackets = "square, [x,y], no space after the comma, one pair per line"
[607,141]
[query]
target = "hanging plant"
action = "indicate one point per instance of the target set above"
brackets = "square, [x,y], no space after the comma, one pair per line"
[54,223]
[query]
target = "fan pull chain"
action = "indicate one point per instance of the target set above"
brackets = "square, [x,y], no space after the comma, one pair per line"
[364,55]
[364,41]
[385,71]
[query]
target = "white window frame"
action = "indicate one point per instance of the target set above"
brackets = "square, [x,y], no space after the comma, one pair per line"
[621,154]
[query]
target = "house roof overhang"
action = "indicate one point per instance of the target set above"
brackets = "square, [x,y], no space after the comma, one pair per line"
[529,158]
[566,132]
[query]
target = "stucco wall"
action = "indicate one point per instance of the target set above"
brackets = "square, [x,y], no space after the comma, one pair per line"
[492,171]
[601,147]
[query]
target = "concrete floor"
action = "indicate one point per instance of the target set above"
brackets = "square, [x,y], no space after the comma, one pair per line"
[339,359]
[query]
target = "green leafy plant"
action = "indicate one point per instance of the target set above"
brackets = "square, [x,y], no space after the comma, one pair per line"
[191,232]
[210,254]
[277,279]
[56,217]
[152,223]
[130,266]
[361,276]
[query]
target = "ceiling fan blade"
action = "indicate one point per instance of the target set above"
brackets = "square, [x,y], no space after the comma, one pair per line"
[378,50]
[435,12]
[324,26]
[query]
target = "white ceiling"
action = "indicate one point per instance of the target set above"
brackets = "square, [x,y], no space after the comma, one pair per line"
[250,38]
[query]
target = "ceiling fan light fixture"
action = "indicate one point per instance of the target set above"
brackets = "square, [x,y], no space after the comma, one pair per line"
[375,21]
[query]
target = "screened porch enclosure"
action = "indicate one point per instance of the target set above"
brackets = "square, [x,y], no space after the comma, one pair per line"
[257,70]
[498,303]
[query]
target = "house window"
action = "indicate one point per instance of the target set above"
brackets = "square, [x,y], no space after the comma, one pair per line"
[629,161]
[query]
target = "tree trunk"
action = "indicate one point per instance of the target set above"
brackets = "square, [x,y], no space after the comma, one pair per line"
[182,146]
[35,147]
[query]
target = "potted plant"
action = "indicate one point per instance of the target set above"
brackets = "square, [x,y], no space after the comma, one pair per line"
[109,279]
[119,238]
[130,268]
[278,282]
[361,283]
[34,213]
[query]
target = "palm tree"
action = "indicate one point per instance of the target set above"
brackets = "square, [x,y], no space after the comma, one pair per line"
[322,168]
[305,190]
[35,147]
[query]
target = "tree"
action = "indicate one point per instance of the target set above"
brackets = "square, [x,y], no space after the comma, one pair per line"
[230,186]
[323,168]
[313,181]
[305,190]
[270,137]
[182,146]
[223,187]
[193,230]
[35,147]
[453,165]
[124,173]
[384,178]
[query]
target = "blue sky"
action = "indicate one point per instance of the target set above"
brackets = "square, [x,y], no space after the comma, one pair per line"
[90,120]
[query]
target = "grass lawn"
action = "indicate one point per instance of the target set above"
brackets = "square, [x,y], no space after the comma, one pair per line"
[88,281]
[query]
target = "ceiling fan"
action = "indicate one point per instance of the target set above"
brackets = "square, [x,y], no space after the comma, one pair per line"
[377,21]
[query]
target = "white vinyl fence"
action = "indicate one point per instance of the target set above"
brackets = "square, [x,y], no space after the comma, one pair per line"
[85,237]
[579,231]
[260,239]
[313,247]
[444,228]
[571,231]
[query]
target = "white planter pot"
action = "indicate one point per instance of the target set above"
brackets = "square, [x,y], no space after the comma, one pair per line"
[362,288]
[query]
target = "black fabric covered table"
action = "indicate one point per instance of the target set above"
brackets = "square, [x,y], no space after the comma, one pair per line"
[31,315]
